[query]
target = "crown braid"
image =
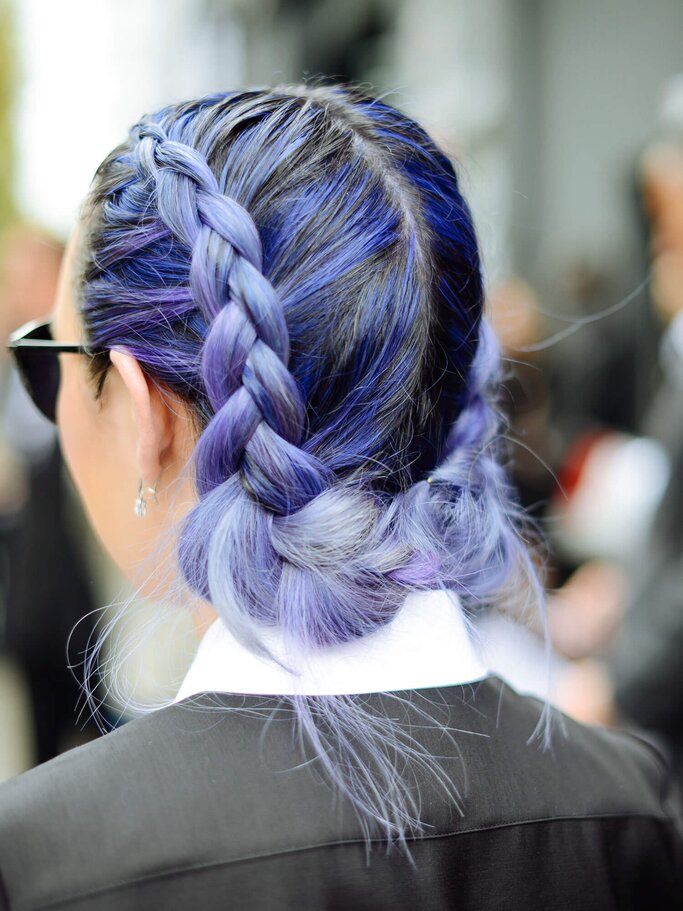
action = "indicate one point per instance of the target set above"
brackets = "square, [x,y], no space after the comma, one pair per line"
[258,419]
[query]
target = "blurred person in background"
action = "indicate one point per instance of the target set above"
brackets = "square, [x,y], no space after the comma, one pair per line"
[44,589]
[517,321]
[625,624]
[281,291]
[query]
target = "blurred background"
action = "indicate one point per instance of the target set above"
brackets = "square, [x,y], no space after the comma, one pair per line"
[567,123]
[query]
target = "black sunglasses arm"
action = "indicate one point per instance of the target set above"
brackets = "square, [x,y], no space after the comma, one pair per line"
[27,336]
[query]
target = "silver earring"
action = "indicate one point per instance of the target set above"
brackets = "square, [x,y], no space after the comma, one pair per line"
[140,507]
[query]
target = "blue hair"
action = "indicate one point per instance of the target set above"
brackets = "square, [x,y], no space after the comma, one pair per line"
[299,265]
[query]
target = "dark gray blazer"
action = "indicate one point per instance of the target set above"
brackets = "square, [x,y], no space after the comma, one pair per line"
[193,808]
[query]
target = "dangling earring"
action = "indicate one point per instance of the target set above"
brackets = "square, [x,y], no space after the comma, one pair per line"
[140,507]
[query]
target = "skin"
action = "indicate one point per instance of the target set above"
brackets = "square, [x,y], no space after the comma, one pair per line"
[133,431]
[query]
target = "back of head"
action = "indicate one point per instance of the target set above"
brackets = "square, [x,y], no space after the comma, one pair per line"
[298,264]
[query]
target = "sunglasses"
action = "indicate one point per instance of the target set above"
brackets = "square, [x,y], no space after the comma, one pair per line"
[35,354]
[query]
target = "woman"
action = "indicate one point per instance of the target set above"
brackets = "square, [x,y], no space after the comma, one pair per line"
[281,404]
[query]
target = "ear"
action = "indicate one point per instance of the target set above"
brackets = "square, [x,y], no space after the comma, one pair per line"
[154,419]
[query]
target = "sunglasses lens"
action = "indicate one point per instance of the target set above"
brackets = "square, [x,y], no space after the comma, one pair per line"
[40,375]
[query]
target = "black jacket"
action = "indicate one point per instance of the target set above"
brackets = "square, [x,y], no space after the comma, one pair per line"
[194,808]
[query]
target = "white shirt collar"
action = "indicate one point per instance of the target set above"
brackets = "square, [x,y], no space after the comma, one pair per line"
[427,644]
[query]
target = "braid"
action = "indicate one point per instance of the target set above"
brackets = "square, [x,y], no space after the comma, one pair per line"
[306,539]
[258,419]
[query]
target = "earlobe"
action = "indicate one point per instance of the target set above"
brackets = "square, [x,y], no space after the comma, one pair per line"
[153,419]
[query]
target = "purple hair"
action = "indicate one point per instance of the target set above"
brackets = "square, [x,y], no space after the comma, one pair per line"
[299,265]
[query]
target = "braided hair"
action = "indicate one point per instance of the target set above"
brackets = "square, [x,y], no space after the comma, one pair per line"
[299,265]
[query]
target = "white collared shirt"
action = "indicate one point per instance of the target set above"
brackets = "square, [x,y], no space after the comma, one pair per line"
[427,644]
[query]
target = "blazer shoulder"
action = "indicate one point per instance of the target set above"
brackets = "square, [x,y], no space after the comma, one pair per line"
[174,790]
[72,778]
[585,770]
[75,823]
